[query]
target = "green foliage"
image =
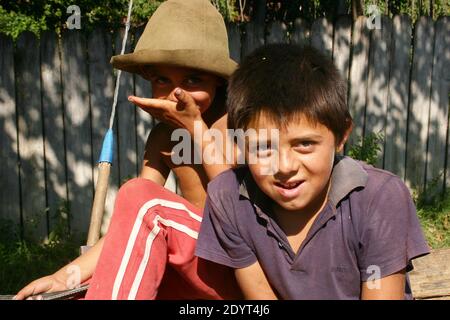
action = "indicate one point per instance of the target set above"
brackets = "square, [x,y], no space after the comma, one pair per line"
[434,217]
[13,24]
[24,260]
[36,16]
[367,149]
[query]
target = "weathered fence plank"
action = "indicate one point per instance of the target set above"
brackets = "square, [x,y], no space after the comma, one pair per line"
[31,138]
[277,33]
[234,41]
[378,82]
[440,88]
[397,111]
[322,36]
[419,103]
[53,111]
[9,170]
[144,121]
[126,120]
[254,32]
[341,45]
[301,33]
[358,77]
[77,129]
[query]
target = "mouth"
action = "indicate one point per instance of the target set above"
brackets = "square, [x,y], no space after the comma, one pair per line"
[289,189]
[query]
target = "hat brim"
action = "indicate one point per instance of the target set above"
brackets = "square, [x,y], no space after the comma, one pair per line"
[195,59]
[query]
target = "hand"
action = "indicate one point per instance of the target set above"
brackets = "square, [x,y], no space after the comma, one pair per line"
[51,283]
[180,114]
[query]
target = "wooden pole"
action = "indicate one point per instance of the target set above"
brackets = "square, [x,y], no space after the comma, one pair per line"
[98,207]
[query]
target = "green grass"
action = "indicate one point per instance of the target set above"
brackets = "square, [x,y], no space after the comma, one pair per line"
[434,217]
[22,261]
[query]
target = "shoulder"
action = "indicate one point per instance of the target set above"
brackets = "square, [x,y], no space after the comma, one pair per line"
[381,182]
[384,196]
[226,184]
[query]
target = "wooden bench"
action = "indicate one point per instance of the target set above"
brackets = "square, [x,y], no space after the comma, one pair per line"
[430,278]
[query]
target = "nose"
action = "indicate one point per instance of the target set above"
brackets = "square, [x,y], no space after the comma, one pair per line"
[287,164]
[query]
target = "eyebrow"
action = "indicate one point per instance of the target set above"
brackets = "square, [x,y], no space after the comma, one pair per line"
[311,136]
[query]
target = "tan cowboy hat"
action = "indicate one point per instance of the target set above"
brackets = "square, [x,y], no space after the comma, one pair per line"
[185,33]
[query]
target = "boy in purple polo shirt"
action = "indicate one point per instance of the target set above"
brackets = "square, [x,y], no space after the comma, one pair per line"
[298,221]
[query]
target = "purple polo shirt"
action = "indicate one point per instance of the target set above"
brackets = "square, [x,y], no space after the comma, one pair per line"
[368,229]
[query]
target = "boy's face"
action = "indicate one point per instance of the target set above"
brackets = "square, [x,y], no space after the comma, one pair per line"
[200,85]
[305,161]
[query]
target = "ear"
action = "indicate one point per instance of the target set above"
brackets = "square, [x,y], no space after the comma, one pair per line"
[340,146]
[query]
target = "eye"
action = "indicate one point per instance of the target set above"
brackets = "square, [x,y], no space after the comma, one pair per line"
[160,80]
[305,146]
[262,151]
[193,80]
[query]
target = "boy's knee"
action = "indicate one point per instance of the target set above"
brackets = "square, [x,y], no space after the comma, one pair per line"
[138,190]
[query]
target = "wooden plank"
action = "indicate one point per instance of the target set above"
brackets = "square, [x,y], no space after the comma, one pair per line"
[358,78]
[77,130]
[301,32]
[322,36]
[144,121]
[419,104]
[397,111]
[126,119]
[440,88]
[342,48]
[341,45]
[277,33]
[101,84]
[9,156]
[234,41]
[254,31]
[52,107]
[378,82]
[31,138]
[431,275]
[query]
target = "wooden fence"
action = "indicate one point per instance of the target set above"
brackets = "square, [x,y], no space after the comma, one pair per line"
[56,96]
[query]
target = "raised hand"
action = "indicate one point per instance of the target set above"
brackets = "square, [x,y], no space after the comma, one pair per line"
[181,114]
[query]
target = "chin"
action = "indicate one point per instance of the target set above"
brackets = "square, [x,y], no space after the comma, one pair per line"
[291,205]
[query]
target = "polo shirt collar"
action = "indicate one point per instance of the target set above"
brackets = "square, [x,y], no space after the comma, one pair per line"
[347,175]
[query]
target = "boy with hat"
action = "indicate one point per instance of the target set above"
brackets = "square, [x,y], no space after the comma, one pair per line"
[299,221]
[148,251]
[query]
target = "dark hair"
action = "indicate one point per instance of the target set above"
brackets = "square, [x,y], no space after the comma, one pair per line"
[283,81]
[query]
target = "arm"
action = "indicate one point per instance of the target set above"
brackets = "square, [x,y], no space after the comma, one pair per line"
[391,287]
[153,166]
[253,283]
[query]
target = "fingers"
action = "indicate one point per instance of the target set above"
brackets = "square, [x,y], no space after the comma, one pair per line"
[35,287]
[147,103]
[185,100]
